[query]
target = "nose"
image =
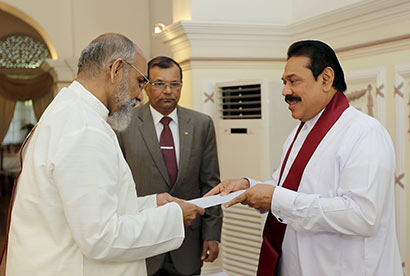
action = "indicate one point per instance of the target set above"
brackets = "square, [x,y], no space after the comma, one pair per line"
[140,96]
[167,88]
[137,94]
[286,90]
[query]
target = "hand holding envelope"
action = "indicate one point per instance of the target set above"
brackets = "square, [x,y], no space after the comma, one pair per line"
[209,201]
[258,197]
[221,193]
[189,211]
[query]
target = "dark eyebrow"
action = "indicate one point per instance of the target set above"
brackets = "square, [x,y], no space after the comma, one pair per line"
[159,80]
[289,76]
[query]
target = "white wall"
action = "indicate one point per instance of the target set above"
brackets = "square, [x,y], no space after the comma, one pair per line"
[301,9]
[255,11]
[242,11]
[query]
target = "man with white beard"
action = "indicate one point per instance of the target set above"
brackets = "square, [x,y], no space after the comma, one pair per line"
[75,211]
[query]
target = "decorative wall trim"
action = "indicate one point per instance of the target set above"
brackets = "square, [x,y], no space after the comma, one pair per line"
[227,41]
[225,34]
[355,95]
[379,91]
[209,97]
[399,180]
[398,88]
[378,76]
[222,40]
[402,75]
[358,17]
[375,47]
[360,93]
[228,63]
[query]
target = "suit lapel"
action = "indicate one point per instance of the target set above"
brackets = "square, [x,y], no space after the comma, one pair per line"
[185,142]
[149,135]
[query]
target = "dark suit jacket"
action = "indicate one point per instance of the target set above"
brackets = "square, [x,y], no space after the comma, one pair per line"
[198,172]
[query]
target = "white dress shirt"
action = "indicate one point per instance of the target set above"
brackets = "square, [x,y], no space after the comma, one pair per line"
[173,125]
[341,221]
[76,211]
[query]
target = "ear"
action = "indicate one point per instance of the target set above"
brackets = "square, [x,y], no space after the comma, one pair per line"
[328,76]
[116,70]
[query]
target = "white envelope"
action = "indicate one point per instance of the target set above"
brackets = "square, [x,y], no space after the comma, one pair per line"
[209,201]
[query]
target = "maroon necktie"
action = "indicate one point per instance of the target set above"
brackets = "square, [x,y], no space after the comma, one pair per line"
[166,142]
[274,231]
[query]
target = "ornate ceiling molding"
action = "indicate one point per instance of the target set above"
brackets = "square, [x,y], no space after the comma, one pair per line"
[360,17]
[383,21]
[213,40]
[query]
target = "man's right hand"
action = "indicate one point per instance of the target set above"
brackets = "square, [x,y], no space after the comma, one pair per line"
[230,185]
[190,211]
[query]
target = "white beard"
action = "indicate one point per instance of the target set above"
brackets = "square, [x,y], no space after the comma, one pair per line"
[121,119]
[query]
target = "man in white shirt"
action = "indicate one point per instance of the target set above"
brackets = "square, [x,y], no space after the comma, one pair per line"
[75,210]
[331,202]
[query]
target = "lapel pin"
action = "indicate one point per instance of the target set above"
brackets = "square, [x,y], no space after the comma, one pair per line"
[186,133]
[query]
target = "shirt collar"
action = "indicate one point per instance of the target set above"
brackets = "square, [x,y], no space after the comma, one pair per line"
[156,116]
[309,124]
[91,100]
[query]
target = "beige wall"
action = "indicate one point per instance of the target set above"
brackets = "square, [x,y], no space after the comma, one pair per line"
[72,24]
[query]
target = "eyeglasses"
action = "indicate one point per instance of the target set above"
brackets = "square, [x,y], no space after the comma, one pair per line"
[142,80]
[161,85]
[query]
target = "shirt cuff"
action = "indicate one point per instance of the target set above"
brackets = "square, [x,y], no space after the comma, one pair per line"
[282,203]
[251,181]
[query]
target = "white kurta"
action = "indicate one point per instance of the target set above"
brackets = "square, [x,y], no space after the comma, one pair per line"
[76,211]
[341,221]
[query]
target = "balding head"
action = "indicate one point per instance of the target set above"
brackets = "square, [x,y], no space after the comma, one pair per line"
[105,49]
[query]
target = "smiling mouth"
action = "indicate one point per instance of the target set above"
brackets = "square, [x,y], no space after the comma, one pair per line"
[292,101]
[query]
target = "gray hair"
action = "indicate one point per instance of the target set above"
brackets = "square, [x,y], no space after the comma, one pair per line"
[103,50]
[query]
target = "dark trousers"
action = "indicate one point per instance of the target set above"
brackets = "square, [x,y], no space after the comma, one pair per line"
[168,269]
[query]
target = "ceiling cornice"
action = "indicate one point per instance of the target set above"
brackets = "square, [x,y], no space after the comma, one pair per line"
[373,16]
[191,39]
[347,30]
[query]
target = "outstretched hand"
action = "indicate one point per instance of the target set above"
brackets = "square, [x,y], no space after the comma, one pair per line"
[190,211]
[227,186]
[258,197]
[165,198]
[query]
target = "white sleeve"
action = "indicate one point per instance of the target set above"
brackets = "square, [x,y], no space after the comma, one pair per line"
[273,181]
[365,177]
[86,173]
[145,202]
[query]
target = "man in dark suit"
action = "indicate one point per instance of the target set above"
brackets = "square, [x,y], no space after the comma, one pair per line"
[173,149]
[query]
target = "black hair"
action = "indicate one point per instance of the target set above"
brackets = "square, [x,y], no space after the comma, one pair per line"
[163,62]
[321,56]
